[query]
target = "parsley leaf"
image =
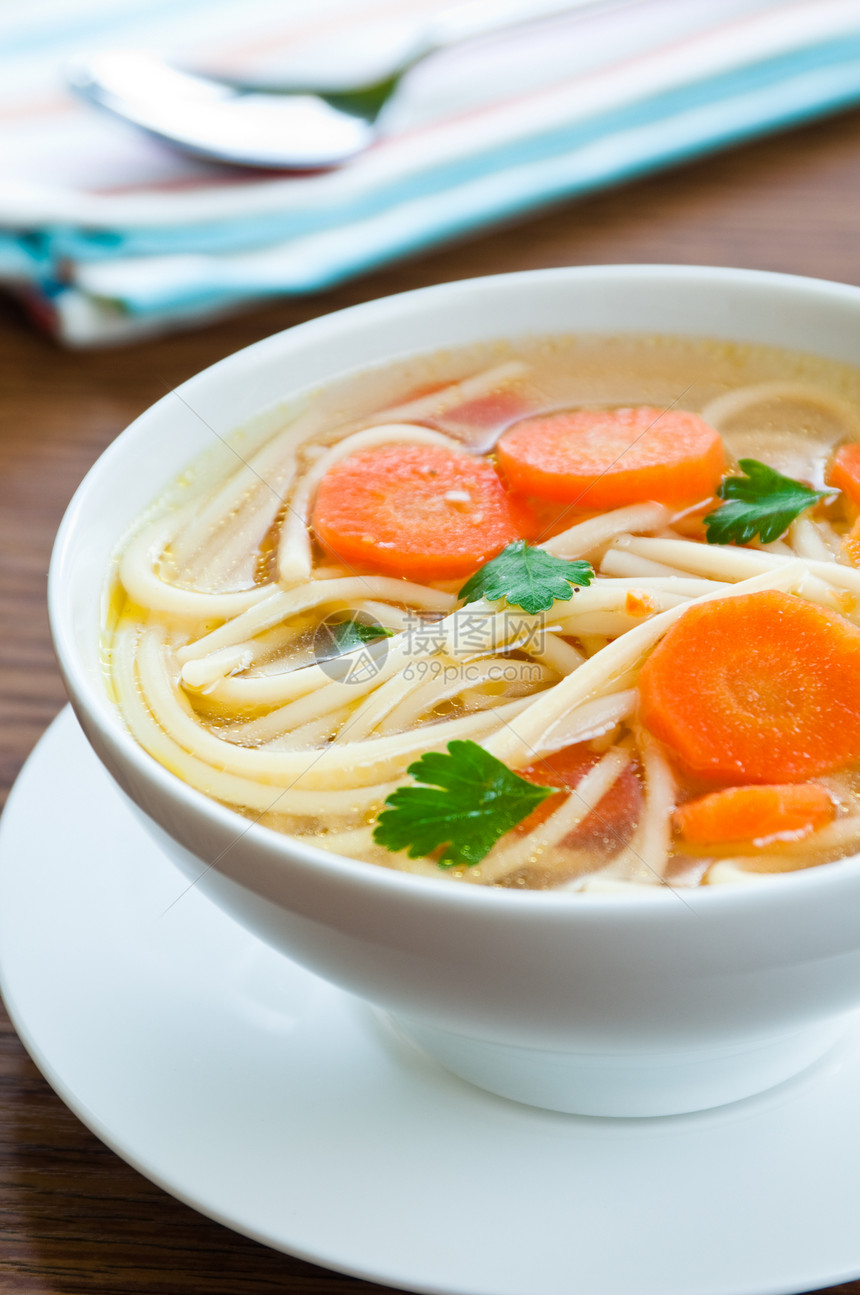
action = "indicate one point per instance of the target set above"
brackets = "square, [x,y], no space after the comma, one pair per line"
[527,577]
[470,801]
[338,637]
[762,502]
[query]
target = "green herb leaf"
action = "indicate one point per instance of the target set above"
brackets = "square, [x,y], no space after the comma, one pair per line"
[527,577]
[470,801]
[346,636]
[762,502]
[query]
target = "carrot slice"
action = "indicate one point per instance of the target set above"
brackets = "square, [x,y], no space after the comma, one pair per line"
[691,523]
[605,458]
[420,511]
[755,813]
[760,688]
[612,821]
[844,471]
[490,412]
[851,544]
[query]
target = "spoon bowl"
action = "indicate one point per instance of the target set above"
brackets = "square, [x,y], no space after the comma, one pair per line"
[300,132]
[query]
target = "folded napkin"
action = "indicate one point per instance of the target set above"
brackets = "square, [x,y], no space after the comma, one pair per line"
[109,236]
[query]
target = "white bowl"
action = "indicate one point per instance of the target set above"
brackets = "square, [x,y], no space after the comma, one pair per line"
[599,1005]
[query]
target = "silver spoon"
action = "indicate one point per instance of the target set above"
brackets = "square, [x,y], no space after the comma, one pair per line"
[281,127]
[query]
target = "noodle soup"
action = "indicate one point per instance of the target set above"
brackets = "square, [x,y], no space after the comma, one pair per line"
[304,617]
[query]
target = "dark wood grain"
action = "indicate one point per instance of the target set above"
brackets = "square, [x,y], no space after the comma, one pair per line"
[74,1219]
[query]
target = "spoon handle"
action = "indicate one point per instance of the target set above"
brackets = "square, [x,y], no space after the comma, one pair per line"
[475,18]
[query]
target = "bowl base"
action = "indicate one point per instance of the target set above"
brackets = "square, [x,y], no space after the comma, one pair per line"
[671,1082]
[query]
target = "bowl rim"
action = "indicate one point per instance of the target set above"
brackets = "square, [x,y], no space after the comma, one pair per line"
[290,850]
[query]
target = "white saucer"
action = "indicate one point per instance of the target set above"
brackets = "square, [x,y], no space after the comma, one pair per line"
[284,1109]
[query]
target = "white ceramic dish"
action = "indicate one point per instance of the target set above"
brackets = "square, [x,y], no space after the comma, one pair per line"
[600,1005]
[281,1107]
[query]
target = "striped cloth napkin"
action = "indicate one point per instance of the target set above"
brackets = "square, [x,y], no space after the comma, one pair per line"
[109,236]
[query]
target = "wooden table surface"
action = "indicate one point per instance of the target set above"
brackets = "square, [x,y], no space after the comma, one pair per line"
[76,1220]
